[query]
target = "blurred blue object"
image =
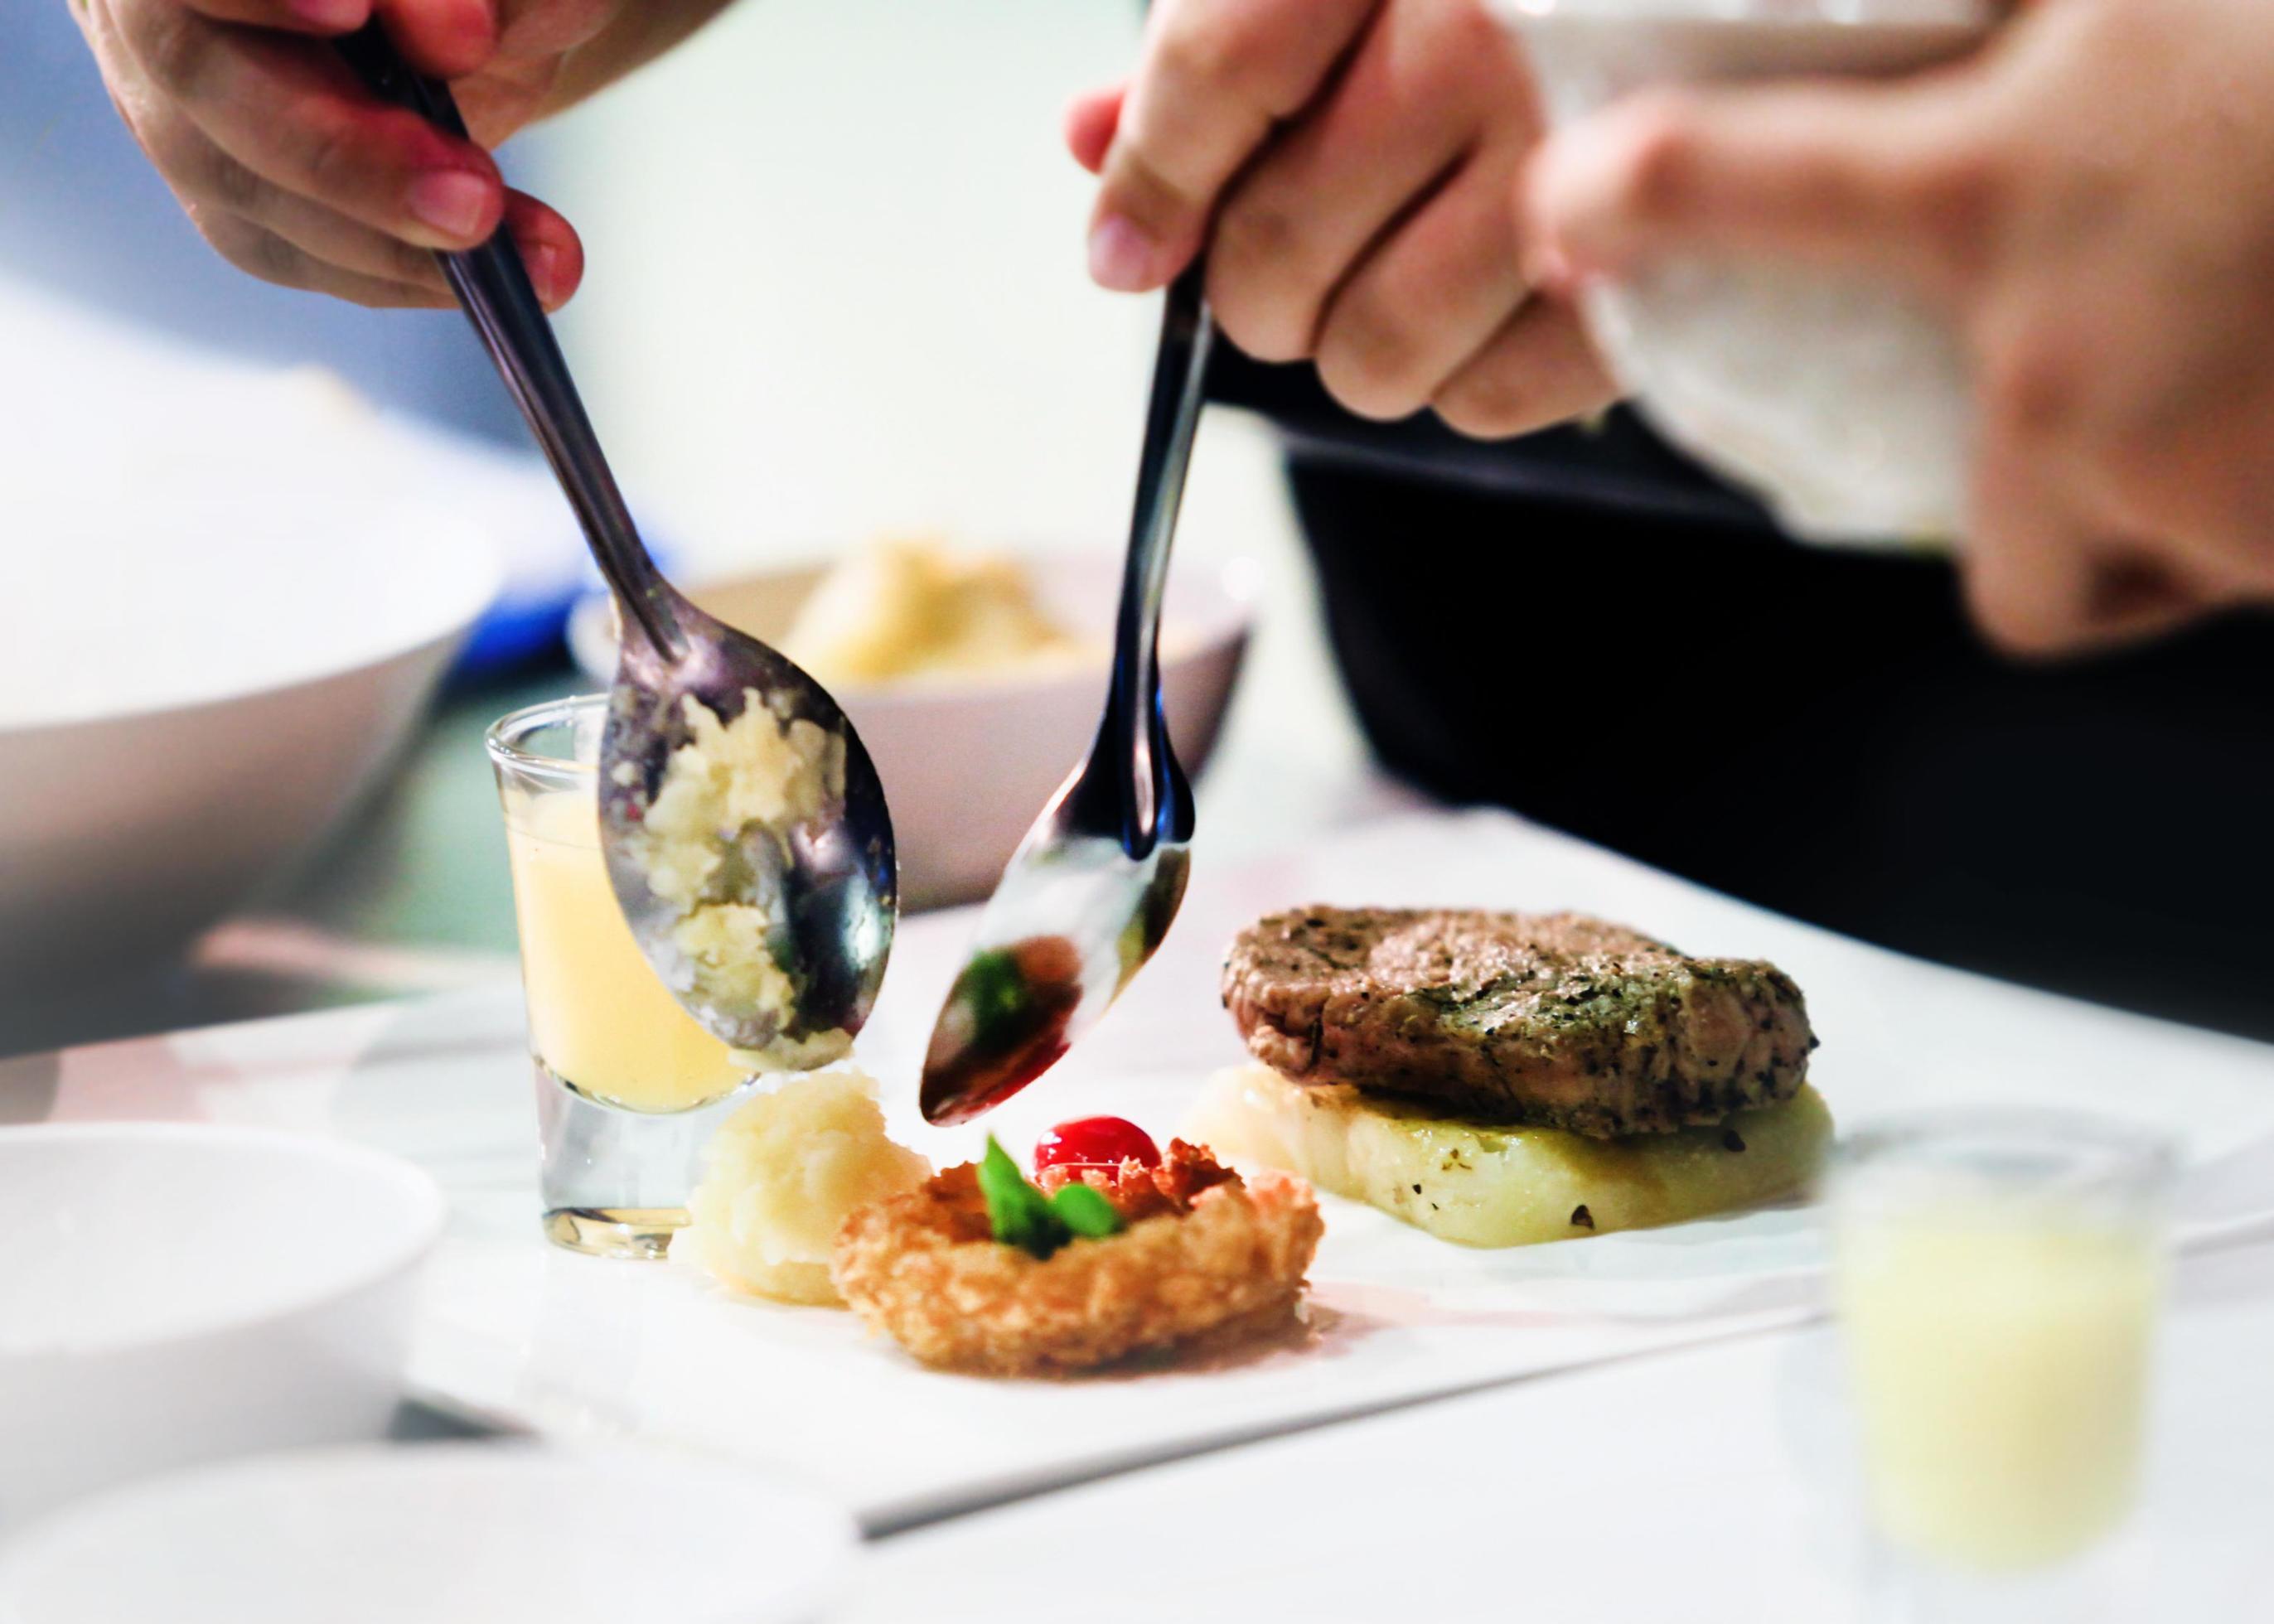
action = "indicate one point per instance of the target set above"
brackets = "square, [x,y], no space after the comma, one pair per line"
[546,568]
[525,627]
[83,213]
[512,498]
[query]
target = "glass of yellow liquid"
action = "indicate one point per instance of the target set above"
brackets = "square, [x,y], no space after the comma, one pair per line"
[628,1087]
[1997,1280]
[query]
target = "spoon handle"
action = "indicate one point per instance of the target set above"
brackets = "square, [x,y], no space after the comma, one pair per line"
[494,287]
[1146,772]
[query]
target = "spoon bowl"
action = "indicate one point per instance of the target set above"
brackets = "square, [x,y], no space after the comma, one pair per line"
[1072,922]
[822,879]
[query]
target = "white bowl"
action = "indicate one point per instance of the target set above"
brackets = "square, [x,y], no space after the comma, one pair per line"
[967,766]
[1841,399]
[440,1533]
[186,708]
[172,1293]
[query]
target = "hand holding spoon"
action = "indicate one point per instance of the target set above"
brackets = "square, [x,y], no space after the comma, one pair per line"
[769,915]
[1092,889]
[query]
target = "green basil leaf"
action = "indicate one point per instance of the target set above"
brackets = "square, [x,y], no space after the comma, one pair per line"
[1018,1213]
[1009,1212]
[1085,1211]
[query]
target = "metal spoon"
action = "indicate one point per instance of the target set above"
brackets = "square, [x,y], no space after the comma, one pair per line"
[1094,886]
[824,881]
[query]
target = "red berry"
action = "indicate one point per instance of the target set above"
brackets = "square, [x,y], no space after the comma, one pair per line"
[1095,1141]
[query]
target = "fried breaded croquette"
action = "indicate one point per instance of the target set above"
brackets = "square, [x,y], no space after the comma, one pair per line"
[1205,1253]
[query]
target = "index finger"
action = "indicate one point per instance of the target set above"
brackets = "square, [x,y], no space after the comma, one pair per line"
[325,17]
[1216,77]
[449,38]
[1846,172]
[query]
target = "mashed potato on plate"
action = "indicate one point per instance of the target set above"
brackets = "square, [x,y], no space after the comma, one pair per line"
[780,1175]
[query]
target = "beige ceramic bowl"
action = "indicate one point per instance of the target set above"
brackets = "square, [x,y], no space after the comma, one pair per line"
[967,764]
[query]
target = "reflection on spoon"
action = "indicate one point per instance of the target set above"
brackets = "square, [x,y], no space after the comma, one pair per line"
[1003,1024]
[1018,1005]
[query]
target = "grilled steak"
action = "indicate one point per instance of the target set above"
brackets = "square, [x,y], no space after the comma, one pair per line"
[1552,1019]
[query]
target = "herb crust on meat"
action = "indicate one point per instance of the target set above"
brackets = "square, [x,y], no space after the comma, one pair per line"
[1551,1018]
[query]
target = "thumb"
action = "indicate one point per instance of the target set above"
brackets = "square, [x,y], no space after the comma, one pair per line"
[1831,172]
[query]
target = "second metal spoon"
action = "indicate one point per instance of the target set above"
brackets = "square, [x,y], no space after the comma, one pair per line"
[816,886]
[1092,887]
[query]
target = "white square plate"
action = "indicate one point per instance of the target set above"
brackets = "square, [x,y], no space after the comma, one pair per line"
[517,1331]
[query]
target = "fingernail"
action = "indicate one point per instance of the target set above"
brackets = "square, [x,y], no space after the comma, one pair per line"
[334,16]
[452,201]
[1121,256]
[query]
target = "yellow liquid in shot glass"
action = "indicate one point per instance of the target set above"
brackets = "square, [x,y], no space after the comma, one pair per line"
[2000,1367]
[599,1017]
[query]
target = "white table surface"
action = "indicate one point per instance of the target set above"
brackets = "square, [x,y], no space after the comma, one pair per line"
[1705,1483]
[1702,1486]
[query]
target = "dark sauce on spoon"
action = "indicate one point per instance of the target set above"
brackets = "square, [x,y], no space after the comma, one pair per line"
[1004,1026]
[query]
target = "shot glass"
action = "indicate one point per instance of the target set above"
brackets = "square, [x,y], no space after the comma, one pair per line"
[629,1085]
[1997,1279]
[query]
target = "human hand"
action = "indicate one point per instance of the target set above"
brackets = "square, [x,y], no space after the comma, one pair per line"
[2092,201]
[1348,164]
[296,173]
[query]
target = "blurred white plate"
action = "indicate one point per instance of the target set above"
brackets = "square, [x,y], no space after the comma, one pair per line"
[969,763]
[172,1293]
[439,1533]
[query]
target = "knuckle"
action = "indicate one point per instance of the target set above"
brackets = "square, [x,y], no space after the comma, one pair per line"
[329,159]
[1228,50]
[1141,188]
[274,260]
[1955,196]
[1459,66]
[1194,52]
[1263,306]
[1655,173]
[255,251]
[1261,333]
[176,48]
[1488,403]
[2014,629]
[174,149]
[235,187]
[1372,359]
[2033,388]
[1473,34]
[1256,236]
